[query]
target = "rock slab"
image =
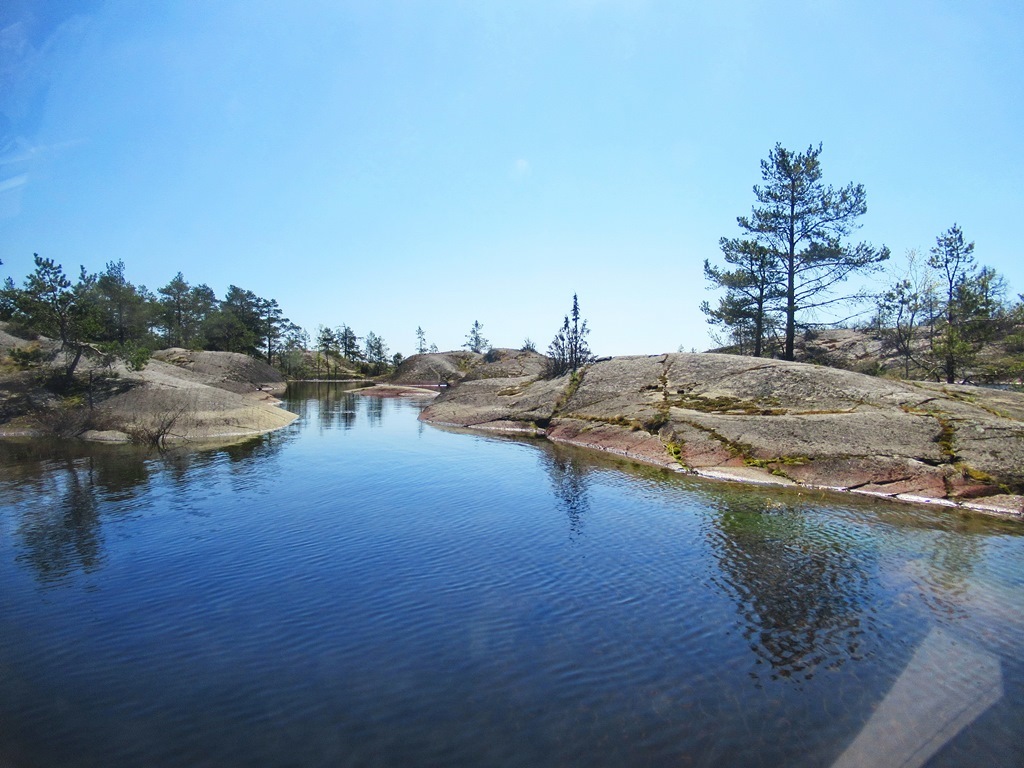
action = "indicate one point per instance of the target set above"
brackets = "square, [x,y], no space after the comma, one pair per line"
[767,421]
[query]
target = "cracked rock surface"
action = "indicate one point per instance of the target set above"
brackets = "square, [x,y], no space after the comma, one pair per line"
[768,421]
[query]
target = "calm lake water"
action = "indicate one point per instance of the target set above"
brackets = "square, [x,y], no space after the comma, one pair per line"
[362,589]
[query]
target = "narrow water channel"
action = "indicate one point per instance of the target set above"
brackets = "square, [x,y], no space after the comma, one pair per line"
[362,589]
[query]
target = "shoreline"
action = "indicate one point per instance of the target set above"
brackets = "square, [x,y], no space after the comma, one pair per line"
[742,475]
[762,421]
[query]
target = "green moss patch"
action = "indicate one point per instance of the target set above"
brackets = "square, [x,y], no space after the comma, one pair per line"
[724,404]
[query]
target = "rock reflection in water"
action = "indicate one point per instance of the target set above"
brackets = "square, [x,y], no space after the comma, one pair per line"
[800,588]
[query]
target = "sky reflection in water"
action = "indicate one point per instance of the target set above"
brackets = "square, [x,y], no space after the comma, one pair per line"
[360,588]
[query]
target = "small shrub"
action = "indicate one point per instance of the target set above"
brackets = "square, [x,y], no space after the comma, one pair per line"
[155,430]
[656,422]
[675,450]
[1015,343]
[136,357]
[65,417]
[27,357]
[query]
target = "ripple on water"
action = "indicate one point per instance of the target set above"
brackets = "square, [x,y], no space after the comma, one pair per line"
[368,591]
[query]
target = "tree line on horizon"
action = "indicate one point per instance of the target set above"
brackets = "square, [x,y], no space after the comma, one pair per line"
[108,314]
[784,272]
[780,277]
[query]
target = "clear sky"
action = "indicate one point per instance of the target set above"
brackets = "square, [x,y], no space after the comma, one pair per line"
[399,164]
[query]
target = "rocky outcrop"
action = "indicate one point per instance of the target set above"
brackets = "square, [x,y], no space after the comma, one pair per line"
[447,368]
[180,395]
[232,371]
[769,421]
[198,396]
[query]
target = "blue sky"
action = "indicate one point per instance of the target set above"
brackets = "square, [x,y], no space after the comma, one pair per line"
[399,164]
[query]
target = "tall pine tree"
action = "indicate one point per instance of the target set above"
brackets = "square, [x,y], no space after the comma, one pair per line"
[801,224]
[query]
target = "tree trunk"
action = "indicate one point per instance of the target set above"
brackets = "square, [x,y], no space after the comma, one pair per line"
[759,330]
[790,310]
[69,372]
[791,279]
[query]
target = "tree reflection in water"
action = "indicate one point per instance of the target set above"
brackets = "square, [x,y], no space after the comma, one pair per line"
[374,410]
[943,575]
[63,492]
[331,404]
[569,484]
[800,587]
[62,533]
[337,406]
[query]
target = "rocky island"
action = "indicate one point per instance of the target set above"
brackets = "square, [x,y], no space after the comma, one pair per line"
[751,419]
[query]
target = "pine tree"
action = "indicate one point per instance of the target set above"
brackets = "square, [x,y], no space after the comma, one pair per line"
[801,225]
[753,290]
[972,300]
[475,341]
[569,351]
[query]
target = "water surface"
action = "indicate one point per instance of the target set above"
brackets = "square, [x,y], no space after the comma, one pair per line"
[362,589]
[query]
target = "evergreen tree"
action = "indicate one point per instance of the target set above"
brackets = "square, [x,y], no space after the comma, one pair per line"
[50,304]
[225,332]
[376,353]
[972,302]
[292,355]
[124,311]
[348,343]
[174,310]
[753,290]
[185,311]
[569,350]
[8,299]
[327,345]
[475,341]
[801,225]
[245,321]
[272,326]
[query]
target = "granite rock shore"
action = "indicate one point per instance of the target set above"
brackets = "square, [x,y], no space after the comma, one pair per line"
[753,420]
[180,395]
